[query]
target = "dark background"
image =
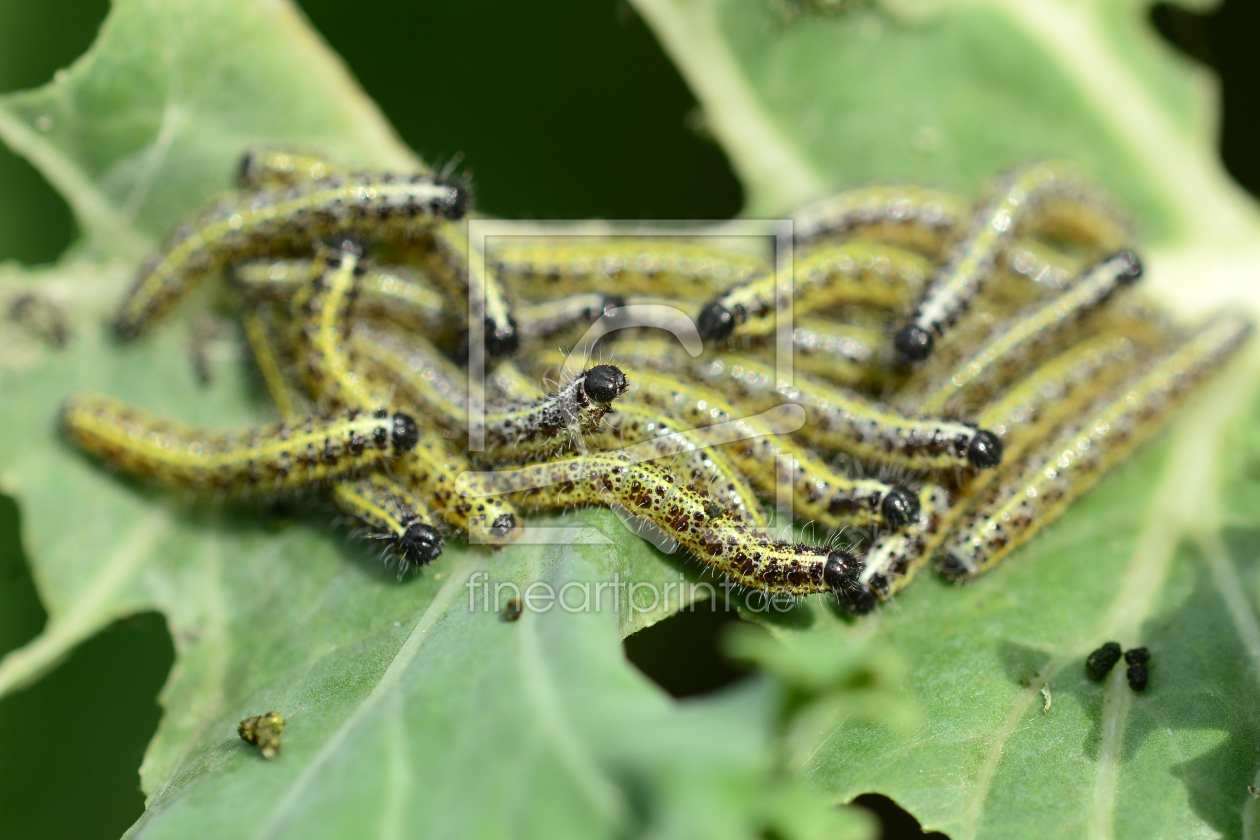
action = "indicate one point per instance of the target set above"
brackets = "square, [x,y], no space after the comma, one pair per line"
[599,128]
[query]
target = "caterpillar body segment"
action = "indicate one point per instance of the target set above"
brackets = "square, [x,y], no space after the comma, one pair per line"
[920,219]
[272,166]
[715,537]
[321,324]
[283,221]
[1074,460]
[842,420]
[283,456]
[395,294]
[698,464]
[676,269]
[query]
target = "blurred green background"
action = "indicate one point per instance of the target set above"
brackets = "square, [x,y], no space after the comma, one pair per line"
[566,109]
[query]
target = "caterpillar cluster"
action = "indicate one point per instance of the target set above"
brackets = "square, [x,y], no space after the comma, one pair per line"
[958,371]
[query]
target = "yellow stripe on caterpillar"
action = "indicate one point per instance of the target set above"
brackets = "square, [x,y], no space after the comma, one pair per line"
[771,460]
[1020,343]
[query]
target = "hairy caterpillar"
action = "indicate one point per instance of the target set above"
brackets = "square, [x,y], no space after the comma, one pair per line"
[393,294]
[769,459]
[283,221]
[704,467]
[1054,191]
[319,313]
[282,456]
[648,266]
[1074,460]
[1027,338]
[854,272]
[846,421]
[391,512]
[911,217]
[723,542]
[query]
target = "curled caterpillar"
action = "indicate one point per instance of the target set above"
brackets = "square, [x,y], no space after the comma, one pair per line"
[283,221]
[282,456]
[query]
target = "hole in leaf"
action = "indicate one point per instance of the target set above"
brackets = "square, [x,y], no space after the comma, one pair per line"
[84,728]
[561,110]
[896,823]
[21,614]
[1224,39]
[682,655]
[36,40]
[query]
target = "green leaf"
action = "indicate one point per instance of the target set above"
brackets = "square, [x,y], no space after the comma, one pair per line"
[410,708]
[1164,552]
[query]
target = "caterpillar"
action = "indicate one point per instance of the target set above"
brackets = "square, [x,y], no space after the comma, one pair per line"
[282,456]
[392,513]
[452,264]
[416,370]
[283,221]
[546,318]
[844,354]
[895,558]
[539,428]
[648,266]
[319,313]
[1016,345]
[1074,460]
[1054,190]
[845,421]
[854,272]
[769,460]
[911,217]
[394,294]
[721,541]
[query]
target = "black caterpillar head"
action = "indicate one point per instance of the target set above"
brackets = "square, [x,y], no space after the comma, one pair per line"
[502,339]
[842,576]
[405,433]
[899,506]
[604,383]
[985,450]
[716,323]
[913,343]
[1129,269]
[420,545]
